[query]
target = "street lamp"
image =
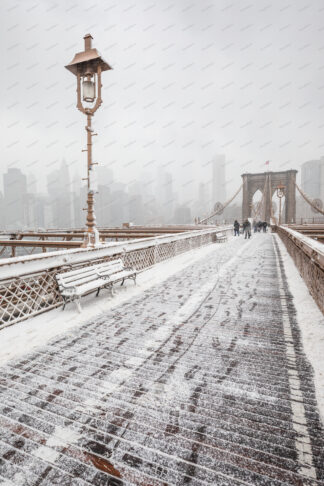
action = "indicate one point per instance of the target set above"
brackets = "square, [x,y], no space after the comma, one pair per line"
[280,194]
[87,66]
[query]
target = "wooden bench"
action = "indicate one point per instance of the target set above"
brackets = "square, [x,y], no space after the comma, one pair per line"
[74,284]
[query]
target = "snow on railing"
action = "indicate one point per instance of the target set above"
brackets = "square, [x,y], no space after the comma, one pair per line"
[28,285]
[308,256]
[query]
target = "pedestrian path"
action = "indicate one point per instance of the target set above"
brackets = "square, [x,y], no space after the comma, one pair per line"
[200,380]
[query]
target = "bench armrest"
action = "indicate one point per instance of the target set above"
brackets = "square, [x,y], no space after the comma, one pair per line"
[105,276]
[71,288]
[131,269]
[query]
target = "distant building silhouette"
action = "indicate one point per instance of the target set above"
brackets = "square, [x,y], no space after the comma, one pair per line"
[77,213]
[312,183]
[312,178]
[31,183]
[118,207]
[2,212]
[105,175]
[60,197]
[165,195]
[218,179]
[102,205]
[15,198]
[182,215]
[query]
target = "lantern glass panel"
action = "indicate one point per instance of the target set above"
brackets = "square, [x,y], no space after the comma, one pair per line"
[89,91]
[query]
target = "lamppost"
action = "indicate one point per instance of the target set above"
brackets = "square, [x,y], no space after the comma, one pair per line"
[87,66]
[280,195]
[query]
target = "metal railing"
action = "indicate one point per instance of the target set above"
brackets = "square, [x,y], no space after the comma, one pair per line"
[32,242]
[28,286]
[313,220]
[308,256]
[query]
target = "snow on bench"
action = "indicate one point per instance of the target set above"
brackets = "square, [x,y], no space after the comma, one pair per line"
[74,284]
[221,238]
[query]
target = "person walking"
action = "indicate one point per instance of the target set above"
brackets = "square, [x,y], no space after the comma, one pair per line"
[236,228]
[247,229]
[265,224]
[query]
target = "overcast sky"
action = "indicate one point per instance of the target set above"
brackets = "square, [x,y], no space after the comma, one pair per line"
[190,79]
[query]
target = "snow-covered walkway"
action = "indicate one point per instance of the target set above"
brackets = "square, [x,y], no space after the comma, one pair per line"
[201,380]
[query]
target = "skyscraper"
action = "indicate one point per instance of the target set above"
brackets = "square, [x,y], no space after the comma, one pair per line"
[31,183]
[15,192]
[165,194]
[312,178]
[105,175]
[60,197]
[2,212]
[218,179]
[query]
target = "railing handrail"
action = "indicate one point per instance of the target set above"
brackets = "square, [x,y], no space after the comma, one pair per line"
[30,264]
[308,256]
[314,249]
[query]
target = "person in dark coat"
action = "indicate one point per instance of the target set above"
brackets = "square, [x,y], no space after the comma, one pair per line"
[236,228]
[247,229]
[265,224]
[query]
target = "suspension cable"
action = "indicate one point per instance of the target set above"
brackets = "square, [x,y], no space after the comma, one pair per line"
[216,213]
[308,200]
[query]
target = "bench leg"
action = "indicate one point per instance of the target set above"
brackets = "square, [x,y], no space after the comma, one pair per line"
[78,304]
[122,282]
[64,303]
[98,291]
[133,277]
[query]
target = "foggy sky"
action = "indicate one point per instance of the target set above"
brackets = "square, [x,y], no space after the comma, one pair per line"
[190,79]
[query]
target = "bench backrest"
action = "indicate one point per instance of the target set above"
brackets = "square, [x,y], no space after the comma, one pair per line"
[87,274]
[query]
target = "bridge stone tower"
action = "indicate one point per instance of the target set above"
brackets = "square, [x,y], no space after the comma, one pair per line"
[267,182]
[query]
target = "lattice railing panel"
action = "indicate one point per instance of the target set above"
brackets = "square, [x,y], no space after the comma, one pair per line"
[28,295]
[32,294]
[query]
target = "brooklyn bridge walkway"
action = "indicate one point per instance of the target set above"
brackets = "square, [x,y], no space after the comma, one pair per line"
[199,380]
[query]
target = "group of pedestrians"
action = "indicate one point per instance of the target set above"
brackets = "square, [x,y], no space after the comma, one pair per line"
[246,226]
[260,226]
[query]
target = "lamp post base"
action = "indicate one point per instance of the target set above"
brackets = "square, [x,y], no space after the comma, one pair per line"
[91,239]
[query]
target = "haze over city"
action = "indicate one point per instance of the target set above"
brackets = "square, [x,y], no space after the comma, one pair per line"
[190,80]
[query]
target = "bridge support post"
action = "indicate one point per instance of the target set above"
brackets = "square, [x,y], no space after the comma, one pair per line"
[290,197]
[247,199]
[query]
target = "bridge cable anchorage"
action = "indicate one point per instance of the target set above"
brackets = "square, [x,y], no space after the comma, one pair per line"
[219,211]
[308,200]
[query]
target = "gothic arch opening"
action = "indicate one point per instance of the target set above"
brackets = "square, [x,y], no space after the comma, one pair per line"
[256,205]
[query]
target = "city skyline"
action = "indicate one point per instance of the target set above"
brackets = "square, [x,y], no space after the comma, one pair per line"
[60,205]
[144,201]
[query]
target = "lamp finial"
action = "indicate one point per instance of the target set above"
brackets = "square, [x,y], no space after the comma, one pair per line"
[87,42]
